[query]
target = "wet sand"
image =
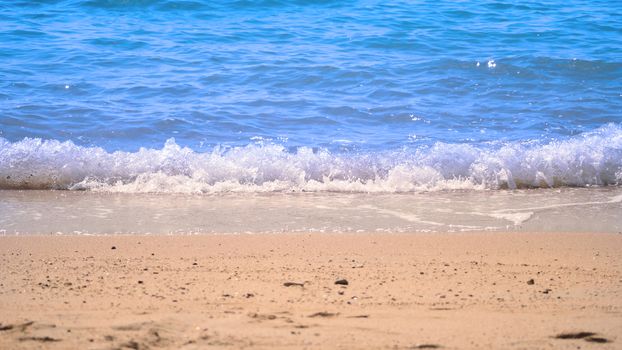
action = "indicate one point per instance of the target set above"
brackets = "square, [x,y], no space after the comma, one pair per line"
[85,212]
[419,291]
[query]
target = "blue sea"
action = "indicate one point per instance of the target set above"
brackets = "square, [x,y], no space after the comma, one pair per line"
[278,96]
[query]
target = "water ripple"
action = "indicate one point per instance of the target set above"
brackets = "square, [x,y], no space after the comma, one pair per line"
[125,74]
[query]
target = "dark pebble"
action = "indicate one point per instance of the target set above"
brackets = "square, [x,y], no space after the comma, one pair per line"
[290,284]
[323,314]
[113,247]
[576,335]
[427,346]
[342,282]
[531,282]
[597,340]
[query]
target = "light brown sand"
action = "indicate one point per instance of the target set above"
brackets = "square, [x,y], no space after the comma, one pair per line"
[450,291]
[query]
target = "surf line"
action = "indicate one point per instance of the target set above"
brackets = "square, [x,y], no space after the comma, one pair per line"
[400,215]
[613,200]
[519,216]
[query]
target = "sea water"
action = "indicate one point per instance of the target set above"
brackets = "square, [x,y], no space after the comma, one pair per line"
[317,96]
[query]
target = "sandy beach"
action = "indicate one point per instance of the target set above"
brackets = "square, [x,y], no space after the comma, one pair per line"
[398,291]
[270,174]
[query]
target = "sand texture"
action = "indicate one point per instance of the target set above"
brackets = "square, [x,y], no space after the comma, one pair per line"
[445,291]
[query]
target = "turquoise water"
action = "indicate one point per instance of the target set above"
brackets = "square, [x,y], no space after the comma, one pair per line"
[216,96]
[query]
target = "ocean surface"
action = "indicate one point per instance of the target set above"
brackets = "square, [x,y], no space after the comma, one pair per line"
[340,96]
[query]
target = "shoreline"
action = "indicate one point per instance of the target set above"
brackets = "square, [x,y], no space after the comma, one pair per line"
[451,291]
[85,212]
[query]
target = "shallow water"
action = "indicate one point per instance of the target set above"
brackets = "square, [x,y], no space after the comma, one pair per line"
[309,95]
[83,213]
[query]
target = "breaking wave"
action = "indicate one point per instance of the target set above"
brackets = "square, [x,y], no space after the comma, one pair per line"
[589,159]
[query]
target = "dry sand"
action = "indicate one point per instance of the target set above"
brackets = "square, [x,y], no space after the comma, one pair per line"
[449,291]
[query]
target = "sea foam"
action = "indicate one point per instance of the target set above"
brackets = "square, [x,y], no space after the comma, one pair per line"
[590,159]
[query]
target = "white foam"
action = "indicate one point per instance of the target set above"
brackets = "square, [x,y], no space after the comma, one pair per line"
[516,218]
[401,215]
[590,159]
